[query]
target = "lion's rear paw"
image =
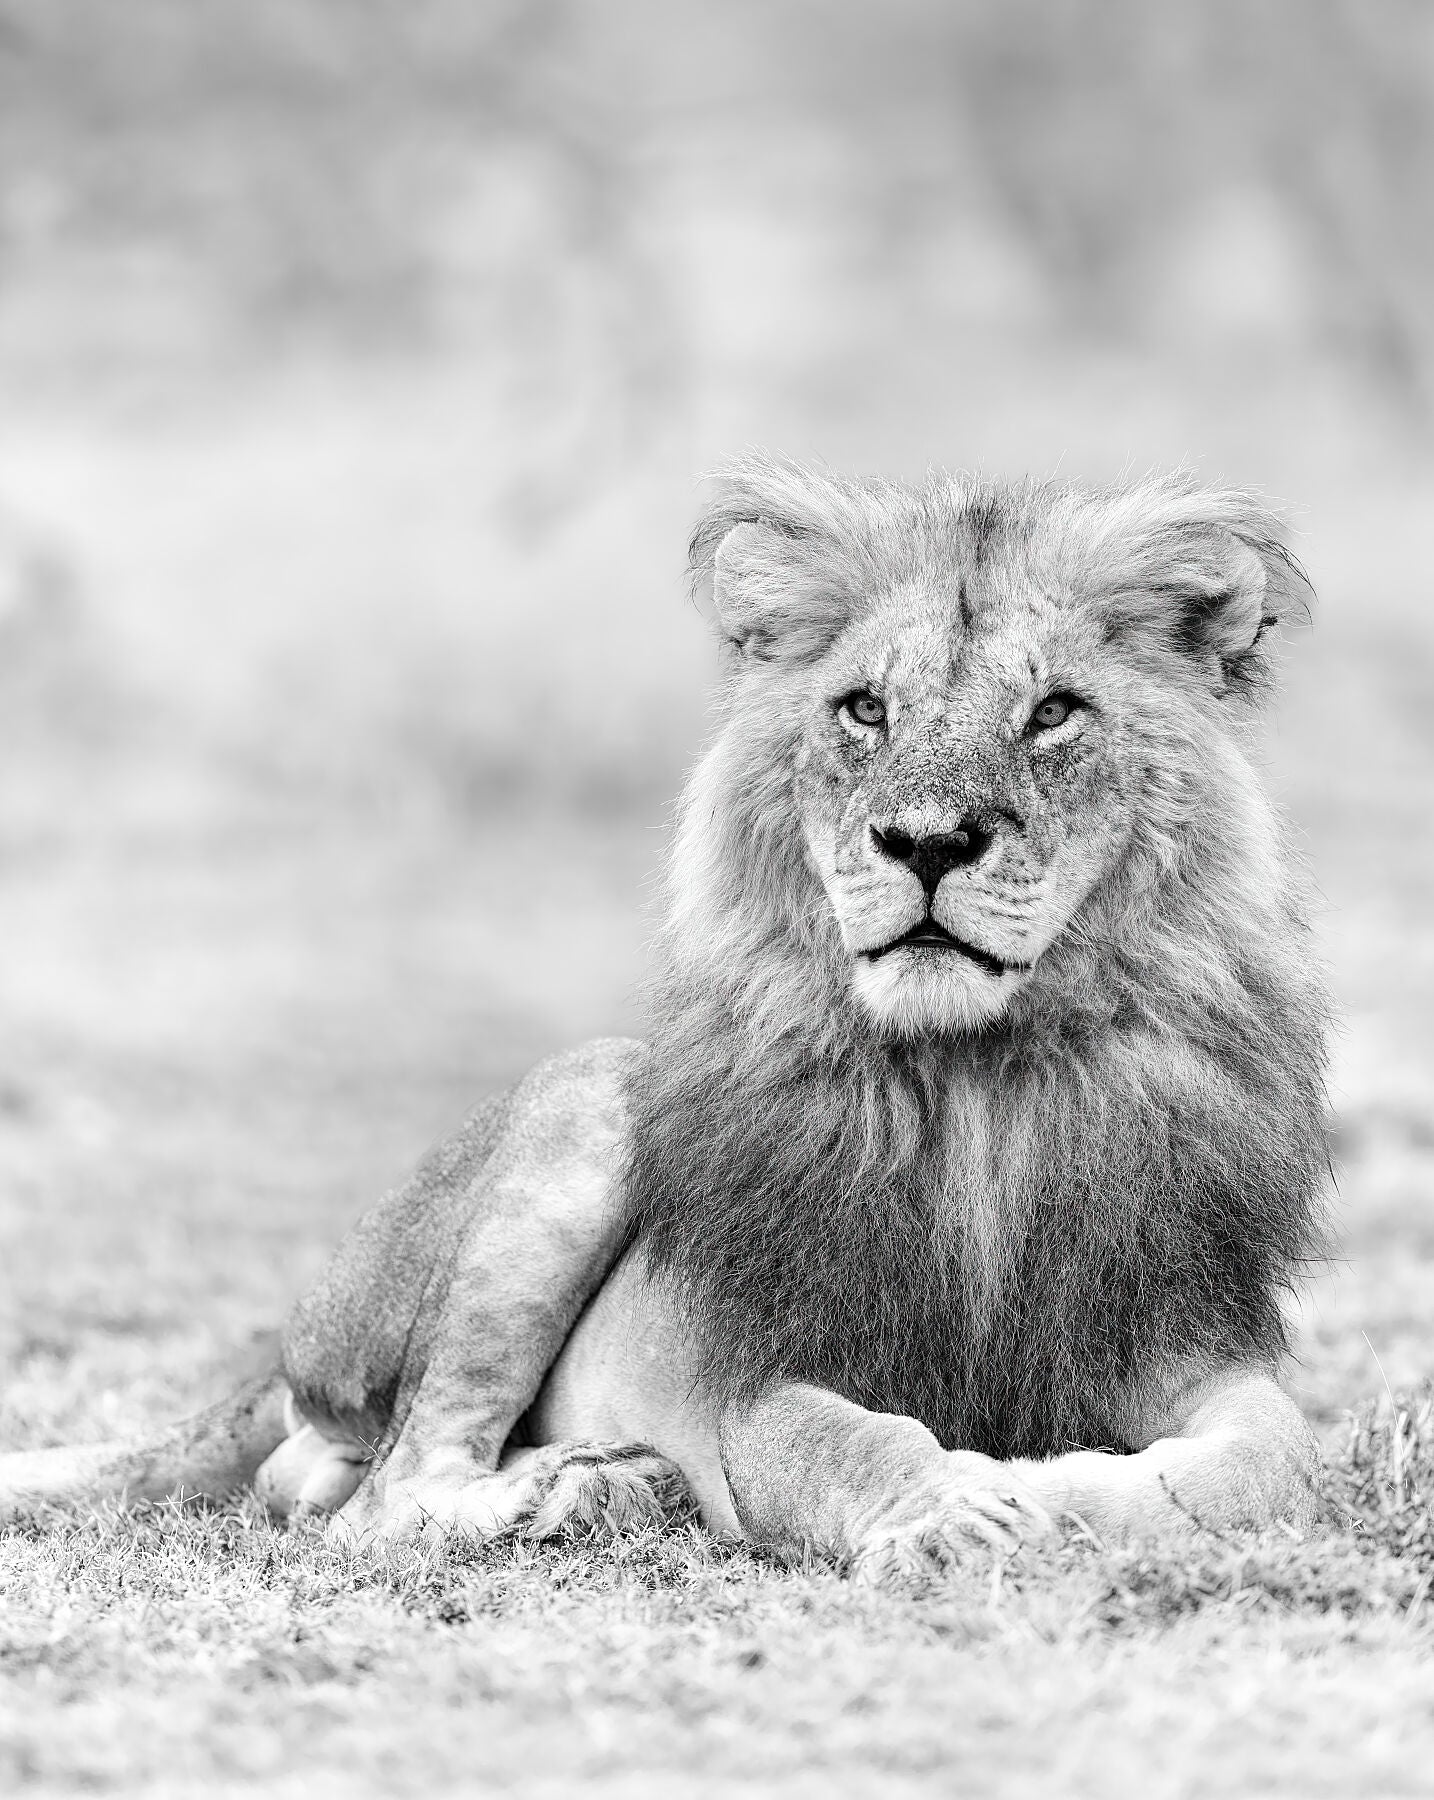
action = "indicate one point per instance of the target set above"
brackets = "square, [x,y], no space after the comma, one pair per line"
[560,1490]
[607,1489]
[977,1508]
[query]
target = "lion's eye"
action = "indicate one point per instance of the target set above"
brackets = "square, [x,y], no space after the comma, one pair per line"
[1054,710]
[864,707]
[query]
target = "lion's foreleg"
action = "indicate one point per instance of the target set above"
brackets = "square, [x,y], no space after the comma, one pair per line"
[810,1472]
[1227,1451]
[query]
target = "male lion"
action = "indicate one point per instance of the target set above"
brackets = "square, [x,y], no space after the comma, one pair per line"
[979,1127]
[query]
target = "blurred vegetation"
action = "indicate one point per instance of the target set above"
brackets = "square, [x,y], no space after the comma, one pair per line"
[479,288]
[336,170]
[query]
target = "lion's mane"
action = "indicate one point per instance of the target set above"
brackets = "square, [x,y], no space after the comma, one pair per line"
[1005,1234]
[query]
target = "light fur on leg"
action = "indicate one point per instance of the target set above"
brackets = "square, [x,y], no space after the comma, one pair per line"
[810,1471]
[1227,1451]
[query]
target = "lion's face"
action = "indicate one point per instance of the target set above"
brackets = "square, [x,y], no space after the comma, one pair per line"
[962,781]
[977,697]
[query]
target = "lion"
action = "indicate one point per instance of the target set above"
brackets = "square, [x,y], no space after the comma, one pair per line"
[979,1130]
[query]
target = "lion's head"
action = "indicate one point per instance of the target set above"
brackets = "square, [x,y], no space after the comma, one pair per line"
[976,696]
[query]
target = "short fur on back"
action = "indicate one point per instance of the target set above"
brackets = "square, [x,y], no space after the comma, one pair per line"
[1012,1215]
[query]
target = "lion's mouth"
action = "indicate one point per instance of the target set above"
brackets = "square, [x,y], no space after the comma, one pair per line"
[926,934]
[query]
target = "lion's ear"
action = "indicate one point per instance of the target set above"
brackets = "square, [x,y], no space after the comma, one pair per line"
[1209,572]
[747,584]
[774,552]
[769,598]
[1223,606]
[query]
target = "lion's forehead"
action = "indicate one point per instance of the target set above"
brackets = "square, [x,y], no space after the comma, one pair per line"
[933,650]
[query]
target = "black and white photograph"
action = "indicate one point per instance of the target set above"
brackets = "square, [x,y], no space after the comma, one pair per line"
[716,899]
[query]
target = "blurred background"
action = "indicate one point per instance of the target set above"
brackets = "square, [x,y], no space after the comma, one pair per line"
[357,363]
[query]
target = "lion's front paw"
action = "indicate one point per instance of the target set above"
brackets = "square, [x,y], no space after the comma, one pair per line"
[973,1507]
[426,1507]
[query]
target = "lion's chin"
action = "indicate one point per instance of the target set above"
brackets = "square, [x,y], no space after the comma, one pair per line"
[915,992]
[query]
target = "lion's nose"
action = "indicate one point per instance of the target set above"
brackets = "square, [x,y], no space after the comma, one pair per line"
[929,858]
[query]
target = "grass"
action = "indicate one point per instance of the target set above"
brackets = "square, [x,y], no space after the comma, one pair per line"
[175,1647]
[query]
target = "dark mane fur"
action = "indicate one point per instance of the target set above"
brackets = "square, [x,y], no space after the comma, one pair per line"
[813,1215]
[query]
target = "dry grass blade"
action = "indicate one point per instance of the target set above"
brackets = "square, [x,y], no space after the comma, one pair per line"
[1381,1478]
